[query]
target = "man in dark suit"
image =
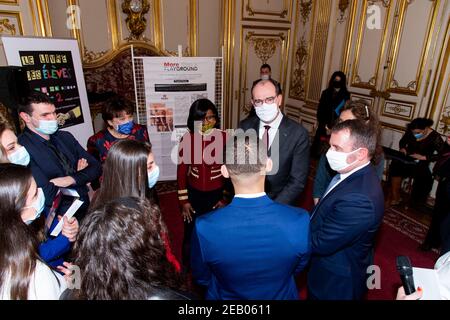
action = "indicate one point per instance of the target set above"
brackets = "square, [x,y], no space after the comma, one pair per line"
[346,219]
[57,159]
[288,143]
[251,249]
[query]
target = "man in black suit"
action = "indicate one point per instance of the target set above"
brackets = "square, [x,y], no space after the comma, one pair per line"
[287,141]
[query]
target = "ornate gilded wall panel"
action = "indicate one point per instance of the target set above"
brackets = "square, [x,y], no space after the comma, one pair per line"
[9,2]
[440,106]
[370,47]
[318,52]
[11,23]
[399,110]
[267,10]
[261,45]
[370,100]
[304,20]
[408,61]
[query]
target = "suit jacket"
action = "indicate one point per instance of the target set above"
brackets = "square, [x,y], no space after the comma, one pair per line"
[292,162]
[343,227]
[46,166]
[250,249]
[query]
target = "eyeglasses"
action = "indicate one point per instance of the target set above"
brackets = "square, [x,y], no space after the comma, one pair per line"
[268,100]
[210,118]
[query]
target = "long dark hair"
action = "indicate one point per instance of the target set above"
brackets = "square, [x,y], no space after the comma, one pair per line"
[343,80]
[18,242]
[124,172]
[120,252]
[198,111]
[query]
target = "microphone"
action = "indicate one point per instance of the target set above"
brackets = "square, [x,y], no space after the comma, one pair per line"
[406,274]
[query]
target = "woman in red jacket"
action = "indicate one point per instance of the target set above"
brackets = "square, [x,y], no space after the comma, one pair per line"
[200,181]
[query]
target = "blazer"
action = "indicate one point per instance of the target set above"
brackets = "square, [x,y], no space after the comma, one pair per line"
[343,227]
[250,249]
[46,166]
[292,162]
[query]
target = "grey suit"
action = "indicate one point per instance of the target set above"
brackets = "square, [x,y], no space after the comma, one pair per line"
[293,161]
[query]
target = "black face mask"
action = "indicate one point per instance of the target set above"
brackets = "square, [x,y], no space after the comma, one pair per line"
[337,84]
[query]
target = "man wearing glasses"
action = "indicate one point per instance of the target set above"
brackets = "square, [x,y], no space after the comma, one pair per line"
[287,143]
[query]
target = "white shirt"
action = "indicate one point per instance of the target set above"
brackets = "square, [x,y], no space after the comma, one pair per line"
[345,176]
[273,128]
[251,195]
[43,284]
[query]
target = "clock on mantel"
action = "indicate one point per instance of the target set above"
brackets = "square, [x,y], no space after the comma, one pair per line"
[136,21]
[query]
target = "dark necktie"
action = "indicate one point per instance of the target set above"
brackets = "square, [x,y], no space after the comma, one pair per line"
[62,159]
[266,136]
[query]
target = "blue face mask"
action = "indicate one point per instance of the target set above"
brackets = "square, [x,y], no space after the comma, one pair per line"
[153,177]
[47,127]
[419,136]
[125,128]
[38,206]
[21,157]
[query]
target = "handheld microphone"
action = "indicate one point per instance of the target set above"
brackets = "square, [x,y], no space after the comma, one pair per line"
[406,274]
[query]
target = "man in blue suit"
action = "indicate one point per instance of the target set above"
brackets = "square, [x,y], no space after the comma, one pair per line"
[345,221]
[57,159]
[254,247]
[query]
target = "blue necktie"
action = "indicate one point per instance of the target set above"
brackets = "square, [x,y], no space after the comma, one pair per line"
[333,182]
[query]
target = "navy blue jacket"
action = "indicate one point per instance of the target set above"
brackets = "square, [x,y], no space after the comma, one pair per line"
[250,250]
[343,227]
[45,165]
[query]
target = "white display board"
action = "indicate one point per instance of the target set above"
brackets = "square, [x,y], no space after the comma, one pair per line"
[54,67]
[172,84]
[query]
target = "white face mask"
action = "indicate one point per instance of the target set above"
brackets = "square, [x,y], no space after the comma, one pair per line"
[265,77]
[338,160]
[38,206]
[21,157]
[267,112]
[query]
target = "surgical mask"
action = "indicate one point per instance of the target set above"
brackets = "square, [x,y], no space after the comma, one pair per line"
[47,127]
[38,205]
[267,112]
[419,135]
[206,127]
[20,157]
[265,77]
[153,177]
[125,128]
[338,160]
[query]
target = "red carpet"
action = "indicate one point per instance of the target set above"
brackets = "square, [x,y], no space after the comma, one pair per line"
[399,235]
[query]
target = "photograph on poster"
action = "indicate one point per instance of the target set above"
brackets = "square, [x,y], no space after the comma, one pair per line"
[161,117]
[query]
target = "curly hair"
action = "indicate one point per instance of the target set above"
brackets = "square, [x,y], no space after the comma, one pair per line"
[120,252]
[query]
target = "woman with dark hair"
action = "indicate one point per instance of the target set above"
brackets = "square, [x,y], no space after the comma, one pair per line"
[353,110]
[200,181]
[118,116]
[331,102]
[130,171]
[423,144]
[122,256]
[23,275]
[51,249]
